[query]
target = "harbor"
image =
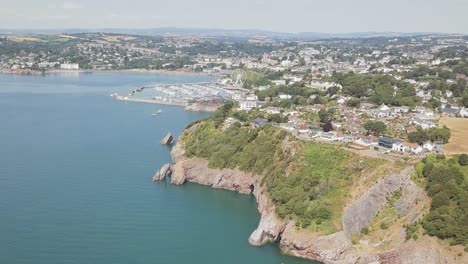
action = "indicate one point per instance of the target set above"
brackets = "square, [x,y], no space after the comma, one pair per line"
[201,96]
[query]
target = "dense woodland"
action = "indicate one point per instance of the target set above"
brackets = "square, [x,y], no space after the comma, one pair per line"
[446,182]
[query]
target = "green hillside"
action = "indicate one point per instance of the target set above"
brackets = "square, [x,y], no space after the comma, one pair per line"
[309,182]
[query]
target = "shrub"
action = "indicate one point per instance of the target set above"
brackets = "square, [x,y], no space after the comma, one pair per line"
[463,159]
[365,231]
[383,225]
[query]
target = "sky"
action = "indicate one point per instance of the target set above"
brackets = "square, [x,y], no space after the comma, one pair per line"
[327,16]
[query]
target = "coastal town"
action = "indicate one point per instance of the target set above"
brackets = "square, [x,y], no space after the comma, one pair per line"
[386,94]
[206,132]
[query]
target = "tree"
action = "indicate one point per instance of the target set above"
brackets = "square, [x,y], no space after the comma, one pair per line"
[463,159]
[375,127]
[354,102]
[420,136]
[327,127]
[277,118]
[465,99]
[439,134]
[323,115]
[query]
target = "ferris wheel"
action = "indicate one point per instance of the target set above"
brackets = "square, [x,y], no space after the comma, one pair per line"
[238,76]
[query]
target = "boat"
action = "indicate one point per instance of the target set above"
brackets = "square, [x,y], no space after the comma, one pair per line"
[156,113]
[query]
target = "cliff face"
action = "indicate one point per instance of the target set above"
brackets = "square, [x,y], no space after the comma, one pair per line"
[333,248]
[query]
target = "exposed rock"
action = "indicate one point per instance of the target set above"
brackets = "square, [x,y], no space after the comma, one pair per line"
[425,250]
[163,172]
[360,213]
[269,229]
[178,174]
[196,170]
[168,139]
[335,248]
[178,152]
[412,202]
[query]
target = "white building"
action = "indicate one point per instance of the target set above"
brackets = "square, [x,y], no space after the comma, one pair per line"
[464,112]
[284,96]
[321,85]
[425,124]
[279,82]
[251,101]
[70,66]
[407,147]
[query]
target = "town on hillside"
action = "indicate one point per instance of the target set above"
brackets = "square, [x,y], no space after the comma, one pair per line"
[384,95]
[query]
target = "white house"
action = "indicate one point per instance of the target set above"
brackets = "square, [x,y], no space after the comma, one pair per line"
[321,85]
[428,145]
[279,82]
[464,112]
[425,124]
[249,102]
[407,147]
[284,96]
[70,66]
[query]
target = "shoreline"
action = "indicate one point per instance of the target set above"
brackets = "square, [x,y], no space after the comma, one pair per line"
[29,72]
[191,107]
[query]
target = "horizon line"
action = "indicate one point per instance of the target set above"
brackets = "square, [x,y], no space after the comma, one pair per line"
[230,29]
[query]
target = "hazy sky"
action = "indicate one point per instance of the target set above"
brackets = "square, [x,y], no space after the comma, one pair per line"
[277,15]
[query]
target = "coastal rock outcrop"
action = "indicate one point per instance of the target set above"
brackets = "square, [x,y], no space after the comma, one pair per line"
[164,171]
[196,170]
[360,212]
[168,139]
[336,248]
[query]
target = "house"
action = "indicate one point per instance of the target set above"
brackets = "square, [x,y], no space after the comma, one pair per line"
[249,102]
[464,112]
[388,142]
[383,107]
[424,113]
[284,96]
[423,123]
[323,86]
[428,145]
[450,111]
[407,147]
[438,148]
[259,122]
[279,82]
[69,66]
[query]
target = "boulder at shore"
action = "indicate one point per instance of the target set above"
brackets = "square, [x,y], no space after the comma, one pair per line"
[168,139]
[165,170]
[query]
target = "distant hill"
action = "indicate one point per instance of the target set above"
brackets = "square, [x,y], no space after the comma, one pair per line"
[218,33]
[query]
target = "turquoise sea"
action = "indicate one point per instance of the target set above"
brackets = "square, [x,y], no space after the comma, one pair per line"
[75,180]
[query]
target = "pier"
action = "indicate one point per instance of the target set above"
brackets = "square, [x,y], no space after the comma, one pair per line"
[184,94]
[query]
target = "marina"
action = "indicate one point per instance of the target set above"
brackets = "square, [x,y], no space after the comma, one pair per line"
[194,96]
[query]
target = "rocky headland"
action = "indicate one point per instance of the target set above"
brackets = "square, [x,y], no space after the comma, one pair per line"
[339,247]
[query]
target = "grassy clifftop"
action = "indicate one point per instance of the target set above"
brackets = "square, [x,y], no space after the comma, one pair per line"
[308,182]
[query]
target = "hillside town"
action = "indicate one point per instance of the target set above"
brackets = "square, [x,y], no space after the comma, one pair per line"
[383,93]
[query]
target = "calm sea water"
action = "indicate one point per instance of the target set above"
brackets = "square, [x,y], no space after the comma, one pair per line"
[75,180]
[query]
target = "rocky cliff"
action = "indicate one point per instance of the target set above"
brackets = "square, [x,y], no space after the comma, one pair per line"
[334,248]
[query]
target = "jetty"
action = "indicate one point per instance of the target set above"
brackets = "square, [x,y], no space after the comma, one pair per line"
[189,95]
